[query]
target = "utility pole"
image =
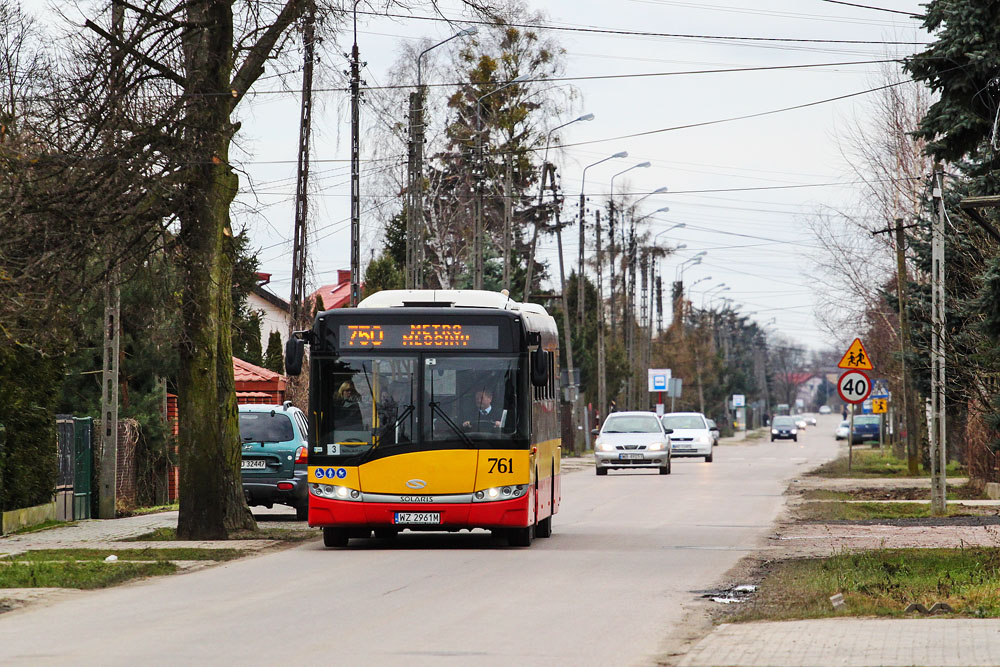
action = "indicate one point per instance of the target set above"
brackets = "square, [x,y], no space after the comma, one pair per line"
[413,203]
[908,396]
[611,261]
[659,304]
[938,436]
[507,221]
[567,339]
[602,390]
[108,472]
[355,167]
[298,295]
[628,310]
[581,295]
[477,227]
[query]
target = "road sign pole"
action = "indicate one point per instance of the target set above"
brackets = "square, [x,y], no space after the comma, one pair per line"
[850,442]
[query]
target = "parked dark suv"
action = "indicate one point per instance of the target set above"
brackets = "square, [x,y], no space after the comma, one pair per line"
[275,451]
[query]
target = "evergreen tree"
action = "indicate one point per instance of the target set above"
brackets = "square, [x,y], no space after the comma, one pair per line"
[383,273]
[274,358]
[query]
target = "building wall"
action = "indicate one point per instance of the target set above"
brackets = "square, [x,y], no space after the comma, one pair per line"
[272,319]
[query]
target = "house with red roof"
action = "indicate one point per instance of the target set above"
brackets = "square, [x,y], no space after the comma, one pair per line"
[258,385]
[337,295]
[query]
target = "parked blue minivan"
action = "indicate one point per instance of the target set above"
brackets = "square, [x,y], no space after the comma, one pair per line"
[275,453]
[866,427]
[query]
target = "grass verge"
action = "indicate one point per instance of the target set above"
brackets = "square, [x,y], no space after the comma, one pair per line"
[834,511]
[78,575]
[873,463]
[278,534]
[963,492]
[36,555]
[139,511]
[878,583]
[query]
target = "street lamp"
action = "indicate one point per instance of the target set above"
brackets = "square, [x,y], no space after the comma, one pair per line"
[657,191]
[581,294]
[679,225]
[477,235]
[700,280]
[415,200]
[611,223]
[541,194]
[665,209]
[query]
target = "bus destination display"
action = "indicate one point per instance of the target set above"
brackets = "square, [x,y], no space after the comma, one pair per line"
[422,336]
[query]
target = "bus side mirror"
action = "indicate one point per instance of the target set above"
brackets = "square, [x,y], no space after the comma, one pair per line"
[295,350]
[539,367]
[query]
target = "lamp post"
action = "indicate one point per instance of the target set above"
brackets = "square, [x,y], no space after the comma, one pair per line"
[611,224]
[580,251]
[415,230]
[477,235]
[541,195]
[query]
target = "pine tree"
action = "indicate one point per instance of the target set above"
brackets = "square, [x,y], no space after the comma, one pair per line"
[274,359]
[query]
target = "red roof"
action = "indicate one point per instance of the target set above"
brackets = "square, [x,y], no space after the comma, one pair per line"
[244,371]
[338,295]
[799,378]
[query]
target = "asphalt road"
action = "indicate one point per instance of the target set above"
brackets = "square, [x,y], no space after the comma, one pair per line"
[627,552]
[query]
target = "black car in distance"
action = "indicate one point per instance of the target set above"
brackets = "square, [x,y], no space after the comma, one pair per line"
[784,428]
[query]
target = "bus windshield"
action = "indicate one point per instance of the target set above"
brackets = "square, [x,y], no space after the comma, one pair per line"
[471,398]
[366,402]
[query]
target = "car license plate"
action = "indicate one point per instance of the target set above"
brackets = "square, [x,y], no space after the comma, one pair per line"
[426,518]
[253,464]
[630,455]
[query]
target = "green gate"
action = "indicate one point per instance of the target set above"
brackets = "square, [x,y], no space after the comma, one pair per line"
[83,464]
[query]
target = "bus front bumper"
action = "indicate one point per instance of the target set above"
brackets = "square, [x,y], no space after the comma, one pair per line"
[324,512]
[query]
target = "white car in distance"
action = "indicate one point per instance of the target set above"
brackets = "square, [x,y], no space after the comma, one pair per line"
[691,435]
[632,440]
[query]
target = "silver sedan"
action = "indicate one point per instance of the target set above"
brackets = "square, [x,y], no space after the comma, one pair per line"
[632,440]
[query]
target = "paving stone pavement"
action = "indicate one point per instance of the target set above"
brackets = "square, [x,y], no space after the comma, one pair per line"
[851,642]
[89,533]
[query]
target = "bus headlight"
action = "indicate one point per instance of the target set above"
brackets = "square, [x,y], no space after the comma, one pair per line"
[334,492]
[500,493]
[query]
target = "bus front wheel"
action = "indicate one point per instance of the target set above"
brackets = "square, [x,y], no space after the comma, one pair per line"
[335,537]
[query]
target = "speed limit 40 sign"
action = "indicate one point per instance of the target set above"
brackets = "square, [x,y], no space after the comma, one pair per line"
[854,387]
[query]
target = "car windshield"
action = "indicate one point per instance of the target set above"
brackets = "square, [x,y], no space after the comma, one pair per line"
[844,425]
[683,421]
[631,424]
[366,403]
[471,399]
[784,421]
[265,427]
[866,420]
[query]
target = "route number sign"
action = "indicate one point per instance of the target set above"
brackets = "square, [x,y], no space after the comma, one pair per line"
[880,406]
[854,387]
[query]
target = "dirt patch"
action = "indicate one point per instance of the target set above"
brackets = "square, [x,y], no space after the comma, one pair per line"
[928,521]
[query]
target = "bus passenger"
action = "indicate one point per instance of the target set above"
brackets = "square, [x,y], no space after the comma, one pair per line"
[347,407]
[481,415]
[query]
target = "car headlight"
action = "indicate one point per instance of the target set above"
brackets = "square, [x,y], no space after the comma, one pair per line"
[656,446]
[334,492]
[500,493]
[605,446]
[704,440]
[774,431]
[794,431]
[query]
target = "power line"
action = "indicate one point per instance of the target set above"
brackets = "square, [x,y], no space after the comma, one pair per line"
[877,9]
[639,33]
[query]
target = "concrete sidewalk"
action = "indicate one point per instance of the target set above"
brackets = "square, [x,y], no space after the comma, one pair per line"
[851,642]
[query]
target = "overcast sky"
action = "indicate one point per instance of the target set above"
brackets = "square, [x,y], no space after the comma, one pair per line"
[729,182]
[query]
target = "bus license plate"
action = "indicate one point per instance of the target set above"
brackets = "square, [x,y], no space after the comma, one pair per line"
[253,464]
[426,518]
[630,455]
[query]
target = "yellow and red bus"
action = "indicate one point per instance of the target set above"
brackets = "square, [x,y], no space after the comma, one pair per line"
[432,410]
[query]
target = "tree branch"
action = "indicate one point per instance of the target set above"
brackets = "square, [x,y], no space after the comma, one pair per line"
[146,60]
[253,64]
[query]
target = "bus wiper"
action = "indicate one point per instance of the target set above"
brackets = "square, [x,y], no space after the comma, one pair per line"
[436,407]
[389,428]
[372,394]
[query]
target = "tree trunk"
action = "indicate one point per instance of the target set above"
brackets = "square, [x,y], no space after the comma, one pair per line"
[211,493]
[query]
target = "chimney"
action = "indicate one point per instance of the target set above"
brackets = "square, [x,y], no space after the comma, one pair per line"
[343,276]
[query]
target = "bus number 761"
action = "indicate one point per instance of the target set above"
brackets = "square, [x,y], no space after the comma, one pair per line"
[501,465]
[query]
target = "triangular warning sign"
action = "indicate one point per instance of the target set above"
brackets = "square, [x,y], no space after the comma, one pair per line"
[856,357]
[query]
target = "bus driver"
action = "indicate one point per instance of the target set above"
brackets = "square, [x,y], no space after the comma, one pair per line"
[481,414]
